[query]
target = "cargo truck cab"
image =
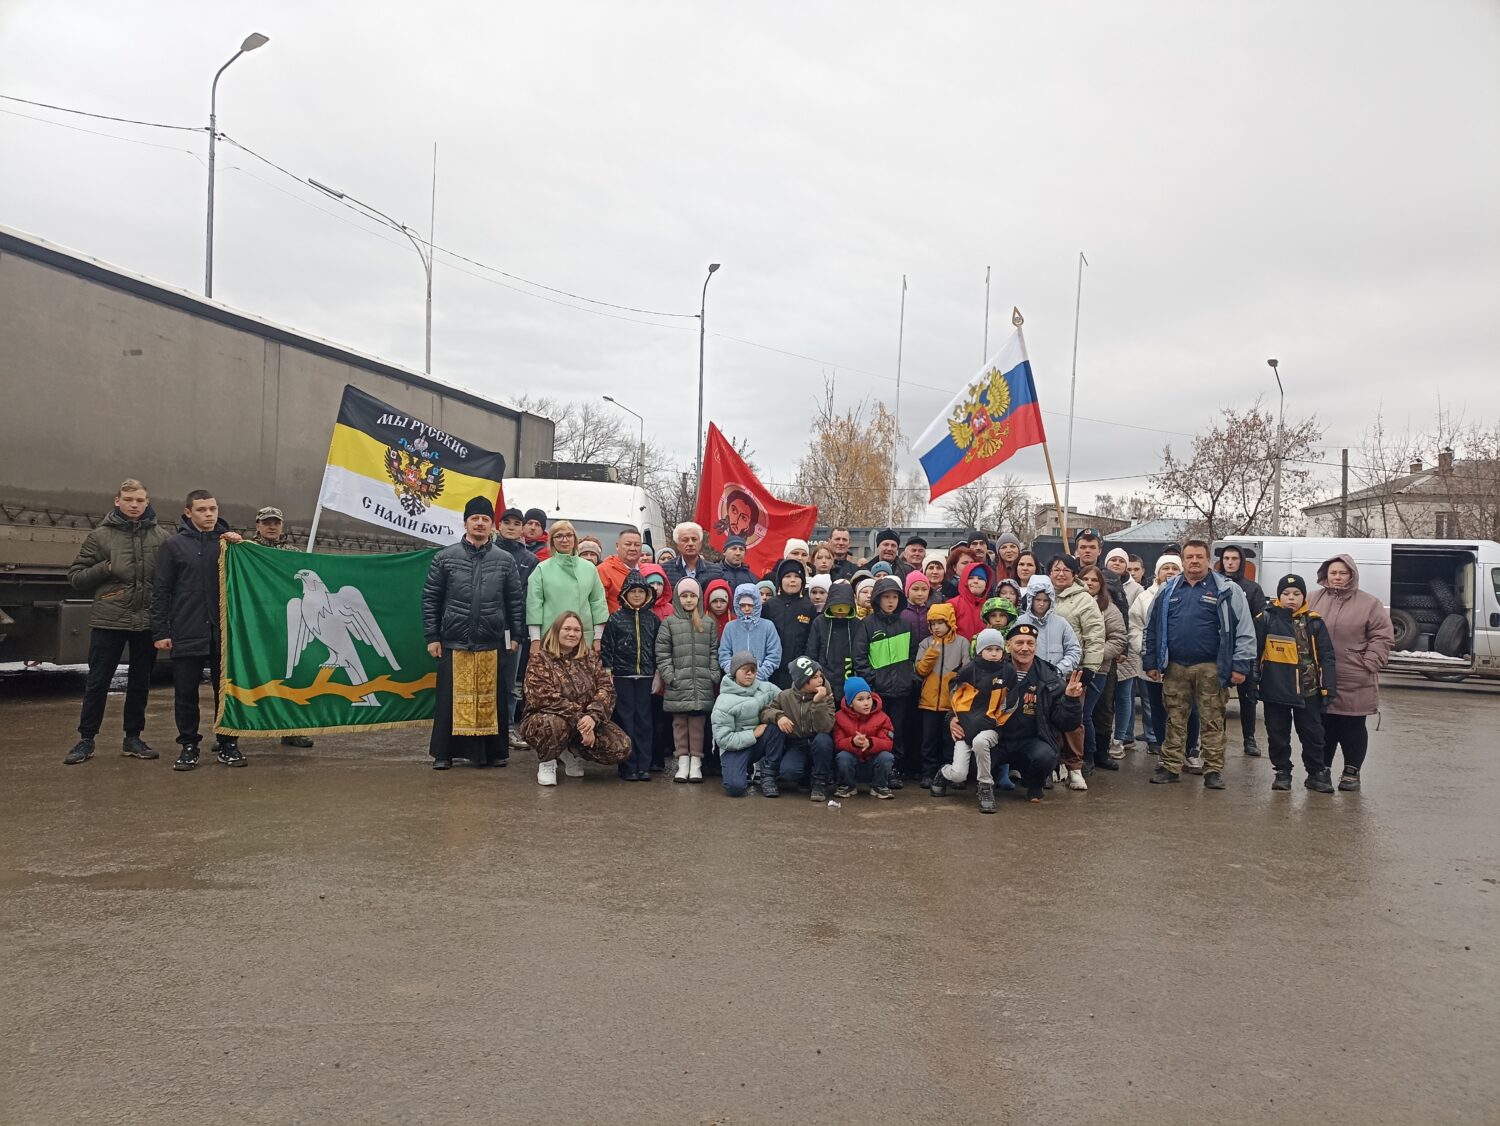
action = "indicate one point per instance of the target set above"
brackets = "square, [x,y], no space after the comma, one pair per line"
[1443,595]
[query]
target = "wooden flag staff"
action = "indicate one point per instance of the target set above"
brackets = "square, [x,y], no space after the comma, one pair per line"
[1062,516]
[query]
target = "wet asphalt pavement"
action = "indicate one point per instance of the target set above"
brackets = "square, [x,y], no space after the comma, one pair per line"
[343,935]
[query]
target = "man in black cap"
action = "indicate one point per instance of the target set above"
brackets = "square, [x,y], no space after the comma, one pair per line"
[534,532]
[887,546]
[734,570]
[913,555]
[472,715]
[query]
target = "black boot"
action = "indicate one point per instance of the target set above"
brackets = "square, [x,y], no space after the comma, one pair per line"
[1320,781]
[938,786]
[82,751]
[986,798]
[1282,781]
[1104,762]
[135,747]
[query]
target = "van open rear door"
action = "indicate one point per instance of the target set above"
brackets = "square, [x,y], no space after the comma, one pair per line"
[1432,604]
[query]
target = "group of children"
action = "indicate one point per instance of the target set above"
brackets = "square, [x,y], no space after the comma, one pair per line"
[829,684]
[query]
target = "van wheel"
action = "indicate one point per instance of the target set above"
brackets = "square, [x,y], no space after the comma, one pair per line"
[1452,638]
[1406,628]
[1447,677]
[1447,601]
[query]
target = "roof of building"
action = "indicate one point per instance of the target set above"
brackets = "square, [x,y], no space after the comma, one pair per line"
[1165,530]
[1431,483]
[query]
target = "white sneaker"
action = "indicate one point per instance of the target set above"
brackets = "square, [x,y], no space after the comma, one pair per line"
[516,742]
[682,769]
[695,769]
[572,764]
[1195,764]
[1116,749]
[546,773]
[1075,780]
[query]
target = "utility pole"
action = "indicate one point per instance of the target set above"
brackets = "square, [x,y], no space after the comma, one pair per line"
[702,335]
[1344,494]
[1280,451]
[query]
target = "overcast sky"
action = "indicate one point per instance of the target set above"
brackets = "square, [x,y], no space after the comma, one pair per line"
[1311,181]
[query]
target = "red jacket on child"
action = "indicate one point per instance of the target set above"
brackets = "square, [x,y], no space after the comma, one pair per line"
[876,725]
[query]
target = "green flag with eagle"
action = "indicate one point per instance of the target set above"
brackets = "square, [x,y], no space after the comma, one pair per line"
[318,642]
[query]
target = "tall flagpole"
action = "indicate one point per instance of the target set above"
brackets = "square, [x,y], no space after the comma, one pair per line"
[1072,400]
[1062,515]
[890,505]
[986,357]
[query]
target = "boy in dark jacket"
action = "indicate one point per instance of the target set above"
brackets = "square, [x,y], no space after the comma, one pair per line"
[804,714]
[862,736]
[1297,673]
[628,652]
[185,619]
[791,612]
[830,640]
[885,656]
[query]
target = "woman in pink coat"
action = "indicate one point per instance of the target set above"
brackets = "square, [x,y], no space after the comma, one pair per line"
[1362,641]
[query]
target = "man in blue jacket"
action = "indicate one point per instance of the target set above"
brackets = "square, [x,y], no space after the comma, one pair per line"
[1200,639]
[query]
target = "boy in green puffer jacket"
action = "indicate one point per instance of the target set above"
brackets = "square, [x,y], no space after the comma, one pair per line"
[115,565]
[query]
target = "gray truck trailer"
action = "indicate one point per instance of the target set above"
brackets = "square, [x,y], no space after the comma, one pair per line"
[106,375]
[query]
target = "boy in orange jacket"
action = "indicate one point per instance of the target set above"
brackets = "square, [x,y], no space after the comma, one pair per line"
[939,658]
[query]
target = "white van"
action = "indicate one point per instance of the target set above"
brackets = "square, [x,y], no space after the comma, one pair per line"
[1443,595]
[600,509]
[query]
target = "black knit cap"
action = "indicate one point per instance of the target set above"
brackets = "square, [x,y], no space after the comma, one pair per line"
[1294,581]
[538,515]
[479,506]
[887,534]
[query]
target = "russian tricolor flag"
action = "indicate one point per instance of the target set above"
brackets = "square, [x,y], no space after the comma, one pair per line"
[995,415]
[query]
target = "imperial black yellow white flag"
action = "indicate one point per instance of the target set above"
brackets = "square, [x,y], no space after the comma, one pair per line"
[391,469]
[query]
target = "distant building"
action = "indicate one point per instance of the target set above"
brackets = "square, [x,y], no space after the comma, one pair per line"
[1450,500]
[1046,522]
[1169,529]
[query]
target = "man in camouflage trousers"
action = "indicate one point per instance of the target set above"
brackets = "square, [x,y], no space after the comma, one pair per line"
[270,531]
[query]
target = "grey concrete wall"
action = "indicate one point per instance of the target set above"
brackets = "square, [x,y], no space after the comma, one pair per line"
[100,380]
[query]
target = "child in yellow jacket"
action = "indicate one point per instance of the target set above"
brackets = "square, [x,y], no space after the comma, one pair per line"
[939,658]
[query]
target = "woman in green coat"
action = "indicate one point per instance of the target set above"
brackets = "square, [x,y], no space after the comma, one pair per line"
[564,582]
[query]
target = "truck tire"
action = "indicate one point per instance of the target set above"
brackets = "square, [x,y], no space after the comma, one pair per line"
[1452,638]
[1447,677]
[1418,602]
[1429,620]
[1406,630]
[1443,591]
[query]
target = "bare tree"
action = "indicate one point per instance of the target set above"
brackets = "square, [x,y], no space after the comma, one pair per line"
[1135,507]
[992,505]
[1465,486]
[1223,486]
[847,470]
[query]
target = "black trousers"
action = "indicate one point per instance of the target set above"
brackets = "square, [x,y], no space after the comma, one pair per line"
[1249,693]
[187,677]
[633,716]
[908,751]
[1346,732]
[937,742]
[105,649]
[1308,719]
[1035,758]
[1104,717]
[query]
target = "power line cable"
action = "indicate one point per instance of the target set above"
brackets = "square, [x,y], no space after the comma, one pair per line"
[105,116]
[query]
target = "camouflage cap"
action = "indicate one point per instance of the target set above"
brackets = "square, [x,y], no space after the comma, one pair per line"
[269,512]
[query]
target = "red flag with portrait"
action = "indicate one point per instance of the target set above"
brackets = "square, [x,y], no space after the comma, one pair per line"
[732,501]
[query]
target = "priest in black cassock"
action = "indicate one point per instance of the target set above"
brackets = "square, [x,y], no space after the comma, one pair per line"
[473,606]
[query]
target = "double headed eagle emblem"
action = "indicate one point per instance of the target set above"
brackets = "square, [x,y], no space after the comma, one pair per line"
[975,423]
[413,468]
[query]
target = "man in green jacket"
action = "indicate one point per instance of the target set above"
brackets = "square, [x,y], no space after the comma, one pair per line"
[115,565]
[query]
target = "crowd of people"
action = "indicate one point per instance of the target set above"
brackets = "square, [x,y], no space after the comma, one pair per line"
[979,664]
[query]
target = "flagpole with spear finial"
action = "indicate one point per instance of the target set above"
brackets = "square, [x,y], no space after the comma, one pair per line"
[1062,516]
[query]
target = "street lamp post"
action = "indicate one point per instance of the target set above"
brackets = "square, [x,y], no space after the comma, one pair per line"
[702,327]
[1280,451]
[424,252]
[252,41]
[640,455]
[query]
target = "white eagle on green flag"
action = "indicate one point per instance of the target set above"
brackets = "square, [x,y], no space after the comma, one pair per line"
[338,621]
